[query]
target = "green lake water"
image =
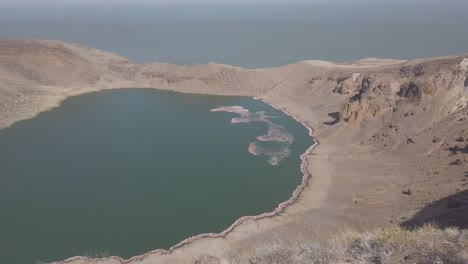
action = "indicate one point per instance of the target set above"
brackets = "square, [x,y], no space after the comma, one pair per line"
[122,172]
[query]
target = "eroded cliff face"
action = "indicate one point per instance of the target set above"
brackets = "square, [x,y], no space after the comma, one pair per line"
[436,86]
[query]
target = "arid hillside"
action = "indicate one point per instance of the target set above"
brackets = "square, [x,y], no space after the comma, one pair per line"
[393,134]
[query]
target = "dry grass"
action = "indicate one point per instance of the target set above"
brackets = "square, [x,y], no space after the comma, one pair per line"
[426,244]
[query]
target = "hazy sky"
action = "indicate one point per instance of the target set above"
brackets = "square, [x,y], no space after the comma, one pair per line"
[112,3]
[258,34]
[130,2]
[38,3]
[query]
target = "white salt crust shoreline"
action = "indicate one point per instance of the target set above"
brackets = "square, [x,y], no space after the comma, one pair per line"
[275,132]
[278,210]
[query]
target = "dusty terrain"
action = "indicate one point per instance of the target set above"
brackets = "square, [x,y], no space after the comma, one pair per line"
[393,134]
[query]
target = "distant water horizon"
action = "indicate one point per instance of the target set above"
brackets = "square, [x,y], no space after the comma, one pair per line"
[252,35]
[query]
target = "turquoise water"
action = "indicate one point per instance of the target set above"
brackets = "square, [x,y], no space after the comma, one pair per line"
[122,172]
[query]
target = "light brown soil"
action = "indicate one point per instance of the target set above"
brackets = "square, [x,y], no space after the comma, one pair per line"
[393,134]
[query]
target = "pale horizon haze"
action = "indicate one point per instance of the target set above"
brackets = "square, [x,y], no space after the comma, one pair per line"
[247,33]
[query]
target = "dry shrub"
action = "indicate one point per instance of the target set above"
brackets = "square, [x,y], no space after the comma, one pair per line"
[427,244]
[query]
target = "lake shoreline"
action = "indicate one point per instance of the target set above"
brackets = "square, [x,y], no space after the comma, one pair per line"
[280,208]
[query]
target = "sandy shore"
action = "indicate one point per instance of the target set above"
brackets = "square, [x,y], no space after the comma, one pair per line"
[377,122]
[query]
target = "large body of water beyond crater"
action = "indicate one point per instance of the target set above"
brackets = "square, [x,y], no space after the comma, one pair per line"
[123,172]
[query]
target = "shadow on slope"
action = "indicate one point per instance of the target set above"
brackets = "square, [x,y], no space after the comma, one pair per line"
[451,211]
[335,116]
